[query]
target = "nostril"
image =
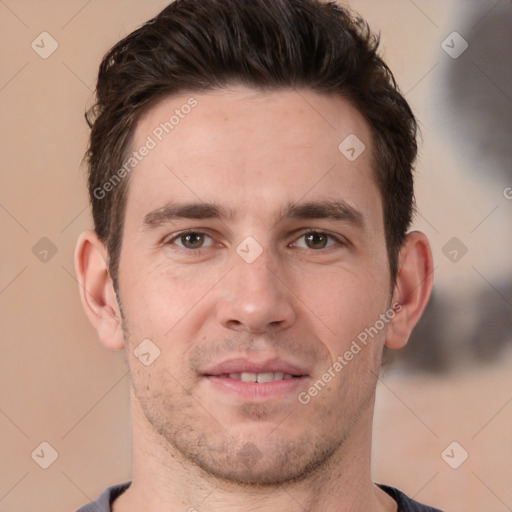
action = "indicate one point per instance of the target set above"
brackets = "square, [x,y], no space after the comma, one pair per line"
[233,324]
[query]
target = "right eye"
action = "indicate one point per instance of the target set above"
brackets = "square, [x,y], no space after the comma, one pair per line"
[191,240]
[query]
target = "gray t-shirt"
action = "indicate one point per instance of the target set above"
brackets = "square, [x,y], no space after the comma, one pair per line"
[107,497]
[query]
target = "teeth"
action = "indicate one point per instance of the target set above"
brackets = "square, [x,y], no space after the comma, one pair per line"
[265,377]
[249,377]
[260,377]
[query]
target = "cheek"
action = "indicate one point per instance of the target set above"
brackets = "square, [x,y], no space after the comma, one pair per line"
[343,303]
[161,394]
[155,298]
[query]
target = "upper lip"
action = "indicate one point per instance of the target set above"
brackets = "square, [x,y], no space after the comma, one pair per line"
[243,365]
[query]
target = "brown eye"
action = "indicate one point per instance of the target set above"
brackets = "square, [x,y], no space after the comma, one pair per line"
[316,240]
[192,240]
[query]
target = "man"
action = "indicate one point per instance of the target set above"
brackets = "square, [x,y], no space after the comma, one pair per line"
[251,186]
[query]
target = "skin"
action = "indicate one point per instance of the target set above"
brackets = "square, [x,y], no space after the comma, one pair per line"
[253,153]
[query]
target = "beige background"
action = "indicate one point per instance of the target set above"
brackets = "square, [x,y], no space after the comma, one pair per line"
[59,385]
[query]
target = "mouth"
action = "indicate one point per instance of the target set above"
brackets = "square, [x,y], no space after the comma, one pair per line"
[251,381]
[260,377]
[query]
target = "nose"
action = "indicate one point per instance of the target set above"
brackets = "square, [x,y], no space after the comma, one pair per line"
[255,298]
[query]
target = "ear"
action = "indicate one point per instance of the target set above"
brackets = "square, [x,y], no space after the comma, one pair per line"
[412,288]
[97,290]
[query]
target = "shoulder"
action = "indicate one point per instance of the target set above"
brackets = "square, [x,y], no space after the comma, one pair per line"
[105,499]
[406,504]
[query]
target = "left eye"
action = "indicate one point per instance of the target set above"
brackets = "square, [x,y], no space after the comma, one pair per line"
[192,240]
[315,240]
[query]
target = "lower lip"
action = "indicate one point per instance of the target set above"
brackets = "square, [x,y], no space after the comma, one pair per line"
[253,391]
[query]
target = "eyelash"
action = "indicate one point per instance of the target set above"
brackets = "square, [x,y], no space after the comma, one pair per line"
[170,241]
[331,237]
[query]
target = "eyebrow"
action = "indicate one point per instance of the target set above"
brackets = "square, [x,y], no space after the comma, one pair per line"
[335,210]
[173,211]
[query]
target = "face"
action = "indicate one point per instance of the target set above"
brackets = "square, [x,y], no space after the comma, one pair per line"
[253,257]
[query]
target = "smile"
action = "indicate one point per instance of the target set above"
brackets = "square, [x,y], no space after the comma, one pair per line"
[259,377]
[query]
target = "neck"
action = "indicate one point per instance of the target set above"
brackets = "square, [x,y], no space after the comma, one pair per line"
[163,480]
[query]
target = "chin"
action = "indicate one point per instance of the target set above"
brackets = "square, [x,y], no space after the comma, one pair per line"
[265,464]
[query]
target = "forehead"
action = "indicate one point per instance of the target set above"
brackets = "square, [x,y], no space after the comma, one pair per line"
[251,149]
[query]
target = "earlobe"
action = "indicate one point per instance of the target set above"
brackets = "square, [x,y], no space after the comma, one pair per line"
[412,288]
[97,290]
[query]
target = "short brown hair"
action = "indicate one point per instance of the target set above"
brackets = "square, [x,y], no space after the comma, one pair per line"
[196,45]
